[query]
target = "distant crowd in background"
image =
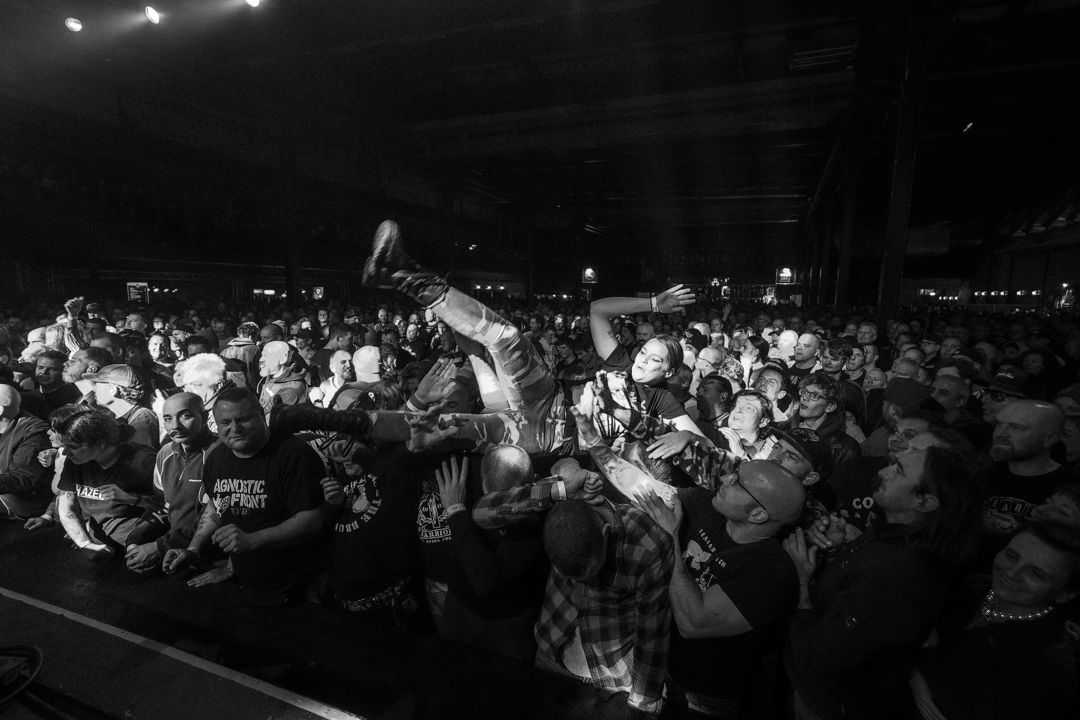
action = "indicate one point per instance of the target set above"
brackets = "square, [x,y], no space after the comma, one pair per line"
[703,509]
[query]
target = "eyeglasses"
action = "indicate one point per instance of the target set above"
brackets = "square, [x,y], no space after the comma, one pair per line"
[810,395]
[737,481]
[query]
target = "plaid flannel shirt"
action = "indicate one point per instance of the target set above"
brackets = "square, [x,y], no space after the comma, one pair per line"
[705,465]
[622,615]
[500,508]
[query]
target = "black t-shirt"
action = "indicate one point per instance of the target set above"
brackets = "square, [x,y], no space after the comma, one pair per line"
[132,472]
[854,483]
[1010,498]
[657,402]
[64,395]
[761,582]
[261,492]
[374,542]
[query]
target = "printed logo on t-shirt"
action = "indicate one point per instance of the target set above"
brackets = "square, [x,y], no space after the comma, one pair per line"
[239,496]
[89,492]
[699,561]
[1004,515]
[431,521]
[362,499]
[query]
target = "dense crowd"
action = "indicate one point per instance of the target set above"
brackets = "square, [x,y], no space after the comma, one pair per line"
[699,506]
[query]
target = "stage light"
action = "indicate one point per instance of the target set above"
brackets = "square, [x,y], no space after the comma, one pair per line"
[252,3]
[152,15]
[73,24]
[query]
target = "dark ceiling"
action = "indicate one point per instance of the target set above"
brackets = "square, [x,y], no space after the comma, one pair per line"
[703,124]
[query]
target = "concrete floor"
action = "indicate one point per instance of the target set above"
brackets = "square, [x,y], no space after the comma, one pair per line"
[307,651]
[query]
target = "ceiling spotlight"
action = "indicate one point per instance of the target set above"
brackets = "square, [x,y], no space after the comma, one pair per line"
[73,24]
[252,3]
[152,15]
[968,127]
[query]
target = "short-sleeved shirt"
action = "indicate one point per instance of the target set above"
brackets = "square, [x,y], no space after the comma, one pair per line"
[261,492]
[657,402]
[761,582]
[132,472]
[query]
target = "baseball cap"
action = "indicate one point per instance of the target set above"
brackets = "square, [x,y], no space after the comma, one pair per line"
[696,339]
[932,338]
[119,375]
[810,445]
[1010,381]
[366,363]
[93,307]
[908,394]
[185,327]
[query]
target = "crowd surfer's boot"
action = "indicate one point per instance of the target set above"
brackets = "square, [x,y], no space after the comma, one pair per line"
[389,267]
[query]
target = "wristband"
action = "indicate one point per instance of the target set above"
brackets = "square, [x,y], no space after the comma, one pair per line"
[194,551]
[558,490]
[454,508]
[652,302]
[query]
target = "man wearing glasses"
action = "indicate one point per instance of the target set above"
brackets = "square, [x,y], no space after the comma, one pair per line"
[708,362]
[731,584]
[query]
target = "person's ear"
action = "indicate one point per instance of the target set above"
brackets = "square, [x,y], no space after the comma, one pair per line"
[831,407]
[812,478]
[928,503]
[758,516]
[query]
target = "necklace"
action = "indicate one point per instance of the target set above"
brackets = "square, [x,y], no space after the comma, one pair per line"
[992,615]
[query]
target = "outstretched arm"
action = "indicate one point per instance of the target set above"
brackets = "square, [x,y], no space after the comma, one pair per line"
[601,311]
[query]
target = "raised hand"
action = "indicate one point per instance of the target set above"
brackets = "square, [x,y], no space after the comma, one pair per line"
[427,429]
[451,481]
[669,518]
[674,298]
[438,383]
[669,445]
[803,554]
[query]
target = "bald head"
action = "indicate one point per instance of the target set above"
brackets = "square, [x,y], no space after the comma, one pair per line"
[712,355]
[778,489]
[905,367]
[761,494]
[1026,430]
[10,402]
[183,401]
[505,467]
[274,356]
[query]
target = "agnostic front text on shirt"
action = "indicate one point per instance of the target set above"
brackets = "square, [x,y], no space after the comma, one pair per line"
[239,496]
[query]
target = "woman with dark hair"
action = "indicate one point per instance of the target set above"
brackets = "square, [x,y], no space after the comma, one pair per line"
[646,373]
[108,478]
[1003,650]
[862,620]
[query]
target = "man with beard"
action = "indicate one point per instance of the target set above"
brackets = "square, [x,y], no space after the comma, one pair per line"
[49,381]
[1023,474]
[178,474]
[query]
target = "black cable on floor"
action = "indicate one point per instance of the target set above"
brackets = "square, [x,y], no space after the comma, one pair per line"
[25,652]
